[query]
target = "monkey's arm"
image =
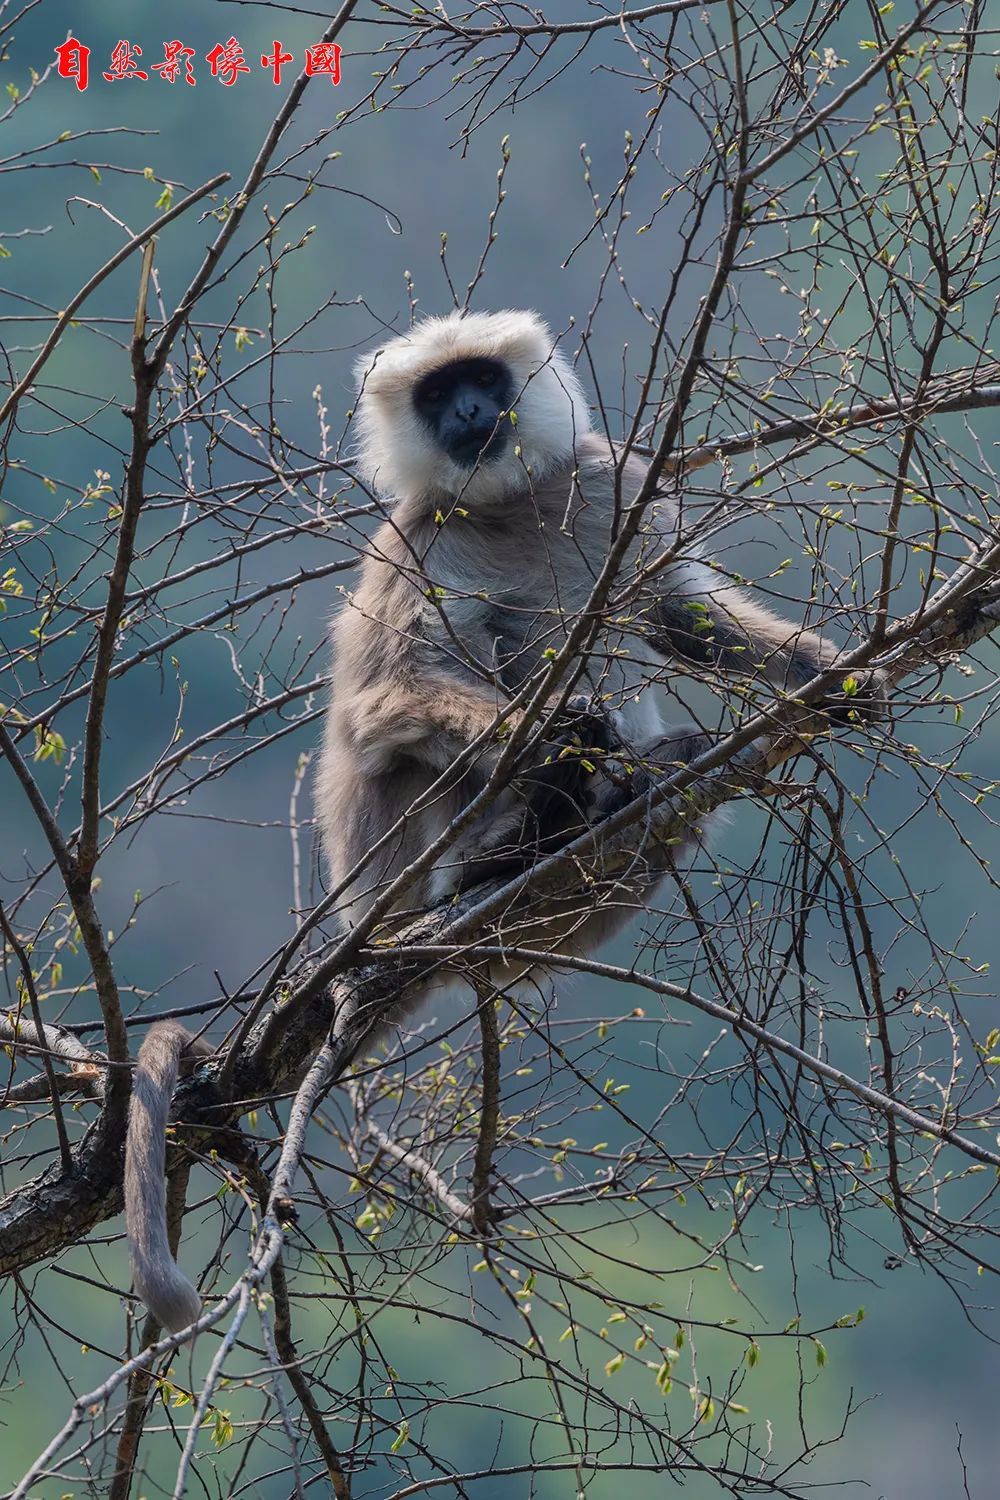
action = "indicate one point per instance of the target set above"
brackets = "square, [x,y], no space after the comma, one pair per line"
[694,615]
[430,718]
[164,1288]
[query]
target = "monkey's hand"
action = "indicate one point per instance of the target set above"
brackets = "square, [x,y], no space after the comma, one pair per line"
[583,730]
[570,758]
[555,793]
[859,697]
[555,796]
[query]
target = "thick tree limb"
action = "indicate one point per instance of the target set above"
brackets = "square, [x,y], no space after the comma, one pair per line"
[84,1084]
[974,389]
[58,1041]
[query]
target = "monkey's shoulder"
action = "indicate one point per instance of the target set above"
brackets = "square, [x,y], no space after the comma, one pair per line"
[599,481]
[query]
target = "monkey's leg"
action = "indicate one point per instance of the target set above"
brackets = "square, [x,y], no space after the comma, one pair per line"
[597,904]
[543,807]
[558,800]
[628,776]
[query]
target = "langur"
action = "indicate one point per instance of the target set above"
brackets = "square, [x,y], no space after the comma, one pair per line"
[502,505]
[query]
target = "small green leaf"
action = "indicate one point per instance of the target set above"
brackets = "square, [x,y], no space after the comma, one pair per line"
[222,1429]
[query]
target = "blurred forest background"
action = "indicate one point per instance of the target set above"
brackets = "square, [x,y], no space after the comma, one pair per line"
[215,871]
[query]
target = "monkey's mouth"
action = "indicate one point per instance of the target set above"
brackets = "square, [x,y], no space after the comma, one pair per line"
[477,447]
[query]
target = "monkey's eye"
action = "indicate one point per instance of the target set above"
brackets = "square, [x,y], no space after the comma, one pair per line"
[486,378]
[434,393]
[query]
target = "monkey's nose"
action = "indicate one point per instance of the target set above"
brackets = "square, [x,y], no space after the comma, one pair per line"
[467,411]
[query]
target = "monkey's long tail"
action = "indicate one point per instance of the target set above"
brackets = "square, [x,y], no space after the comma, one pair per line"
[164,1288]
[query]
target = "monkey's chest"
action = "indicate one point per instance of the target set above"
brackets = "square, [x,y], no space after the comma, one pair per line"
[503,634]
[507,598]
[519,635]
[510,634]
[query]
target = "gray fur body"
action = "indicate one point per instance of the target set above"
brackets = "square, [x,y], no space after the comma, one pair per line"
[462,592]
[163,1287]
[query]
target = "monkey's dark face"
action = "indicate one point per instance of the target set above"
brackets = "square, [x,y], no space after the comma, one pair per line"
[462,403]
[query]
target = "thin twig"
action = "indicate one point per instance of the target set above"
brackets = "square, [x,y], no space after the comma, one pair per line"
[107,634]
[142,1379]
[28,979]
[419,1166]
[66,316]
[489,1115]
[290,1364]
[739,1023]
